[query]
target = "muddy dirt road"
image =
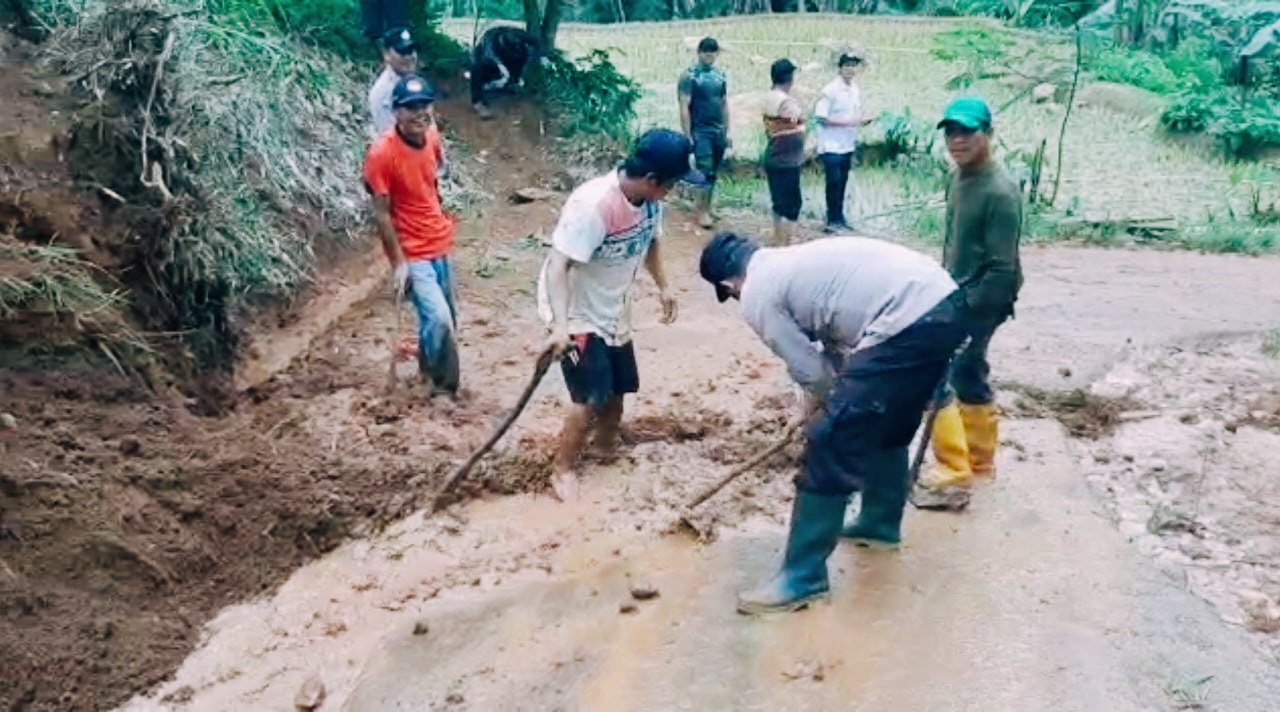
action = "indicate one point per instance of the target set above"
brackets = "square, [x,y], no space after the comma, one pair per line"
[1033,599]
[127,522]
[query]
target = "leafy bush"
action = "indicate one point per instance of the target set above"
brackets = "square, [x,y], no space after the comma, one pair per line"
[587,95]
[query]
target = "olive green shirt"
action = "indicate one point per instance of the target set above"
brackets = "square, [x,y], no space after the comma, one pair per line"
[984,225]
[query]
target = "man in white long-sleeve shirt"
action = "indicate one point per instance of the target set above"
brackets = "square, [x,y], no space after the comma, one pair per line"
[866,328]
[400,59]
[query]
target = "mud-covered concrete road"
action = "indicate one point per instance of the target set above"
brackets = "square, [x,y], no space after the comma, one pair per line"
[1033,599]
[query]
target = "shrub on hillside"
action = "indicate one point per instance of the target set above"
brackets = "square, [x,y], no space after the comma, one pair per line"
[587,95]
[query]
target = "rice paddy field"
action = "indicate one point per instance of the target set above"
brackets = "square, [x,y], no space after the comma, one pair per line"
[1116,165]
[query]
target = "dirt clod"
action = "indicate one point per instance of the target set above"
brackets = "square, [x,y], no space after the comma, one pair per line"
[130,447]
[421,628]
[627,607]
[643,591]
[310,695]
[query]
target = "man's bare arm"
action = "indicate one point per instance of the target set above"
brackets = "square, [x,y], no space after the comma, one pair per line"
[558,266]
[387,230]
[653,263]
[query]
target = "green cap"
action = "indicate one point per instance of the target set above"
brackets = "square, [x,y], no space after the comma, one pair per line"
[968,111]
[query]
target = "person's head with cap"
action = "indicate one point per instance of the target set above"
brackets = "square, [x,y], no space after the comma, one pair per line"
[661,159]
[967,126]
[782,73]
[399,50]
[708,51]
[850,61]
[412,100]
[724,263]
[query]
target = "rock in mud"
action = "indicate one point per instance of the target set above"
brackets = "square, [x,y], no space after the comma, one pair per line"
[421,628]
[130,447]
[643,591]
[531,195]
[8,422]
[310,695]
[627,607]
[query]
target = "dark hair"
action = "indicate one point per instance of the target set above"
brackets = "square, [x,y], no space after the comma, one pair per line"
[708,44]
[849,59]
[782,71]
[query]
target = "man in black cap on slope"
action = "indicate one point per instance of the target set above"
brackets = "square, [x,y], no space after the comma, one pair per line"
[866,327]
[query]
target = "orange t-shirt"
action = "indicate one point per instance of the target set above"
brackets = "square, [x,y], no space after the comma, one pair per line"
[407,175]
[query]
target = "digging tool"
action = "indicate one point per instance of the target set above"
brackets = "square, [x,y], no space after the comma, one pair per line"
[954,499]
[545,359]
[787,436]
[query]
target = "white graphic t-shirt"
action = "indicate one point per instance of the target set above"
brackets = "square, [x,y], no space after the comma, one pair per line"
[607,238]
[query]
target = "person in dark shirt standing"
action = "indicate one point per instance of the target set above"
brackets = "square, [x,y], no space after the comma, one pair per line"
[784,125]
[704,115]
[983,229]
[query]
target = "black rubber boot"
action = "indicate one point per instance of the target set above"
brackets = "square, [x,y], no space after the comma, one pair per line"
[879,521]
[815,526]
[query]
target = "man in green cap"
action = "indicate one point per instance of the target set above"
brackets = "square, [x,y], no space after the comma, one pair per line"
[983,227]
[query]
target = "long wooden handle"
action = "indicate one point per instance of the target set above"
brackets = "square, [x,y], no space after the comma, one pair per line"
[748,466]
[545,359]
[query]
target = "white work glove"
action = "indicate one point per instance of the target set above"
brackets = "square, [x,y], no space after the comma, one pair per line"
[400,278]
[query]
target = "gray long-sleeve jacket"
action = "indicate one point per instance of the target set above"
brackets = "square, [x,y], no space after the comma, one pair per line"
[842,293]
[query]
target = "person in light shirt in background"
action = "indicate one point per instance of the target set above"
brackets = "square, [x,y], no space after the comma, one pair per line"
[400,60]
[840,113]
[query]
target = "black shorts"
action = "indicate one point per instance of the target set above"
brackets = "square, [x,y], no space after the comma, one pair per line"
[601,371]
[784,190]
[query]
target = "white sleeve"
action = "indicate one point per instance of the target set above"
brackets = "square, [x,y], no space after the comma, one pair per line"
[823,109]
[580,230]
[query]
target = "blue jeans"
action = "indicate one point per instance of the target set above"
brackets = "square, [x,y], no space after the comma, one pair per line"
[431,289]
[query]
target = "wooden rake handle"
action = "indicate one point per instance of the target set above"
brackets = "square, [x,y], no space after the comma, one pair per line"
[749,465]
[545,359]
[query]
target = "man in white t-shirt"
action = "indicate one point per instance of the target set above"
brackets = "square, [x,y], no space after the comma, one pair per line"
[609,227]
[840,113]
[400,59]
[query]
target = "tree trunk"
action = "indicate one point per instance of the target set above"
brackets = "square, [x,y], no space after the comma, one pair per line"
[550,24]
[532,17]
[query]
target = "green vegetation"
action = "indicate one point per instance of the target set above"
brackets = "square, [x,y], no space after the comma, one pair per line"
[44,285]
[234,131]
[588,95]
[1271,344]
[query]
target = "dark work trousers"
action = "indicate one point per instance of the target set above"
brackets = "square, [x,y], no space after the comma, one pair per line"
[381,15]
[784,190]
[970,373]
[836,166]
[877,403]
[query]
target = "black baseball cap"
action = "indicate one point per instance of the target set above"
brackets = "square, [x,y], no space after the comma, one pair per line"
[668,156]
[400,40]
[782,71]
[412,90]
[725,257]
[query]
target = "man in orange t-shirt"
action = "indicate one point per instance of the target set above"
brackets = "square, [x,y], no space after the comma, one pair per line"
[402,170]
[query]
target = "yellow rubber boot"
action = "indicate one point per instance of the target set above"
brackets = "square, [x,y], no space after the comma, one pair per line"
[982,431]
[951,450]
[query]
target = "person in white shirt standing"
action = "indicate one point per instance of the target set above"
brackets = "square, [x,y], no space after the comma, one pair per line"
[840,114]
[400,59]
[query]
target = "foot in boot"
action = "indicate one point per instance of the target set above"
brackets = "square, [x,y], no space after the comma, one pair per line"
[946,499]
[565,485]
[782,594]
[869,536]
[838,227]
